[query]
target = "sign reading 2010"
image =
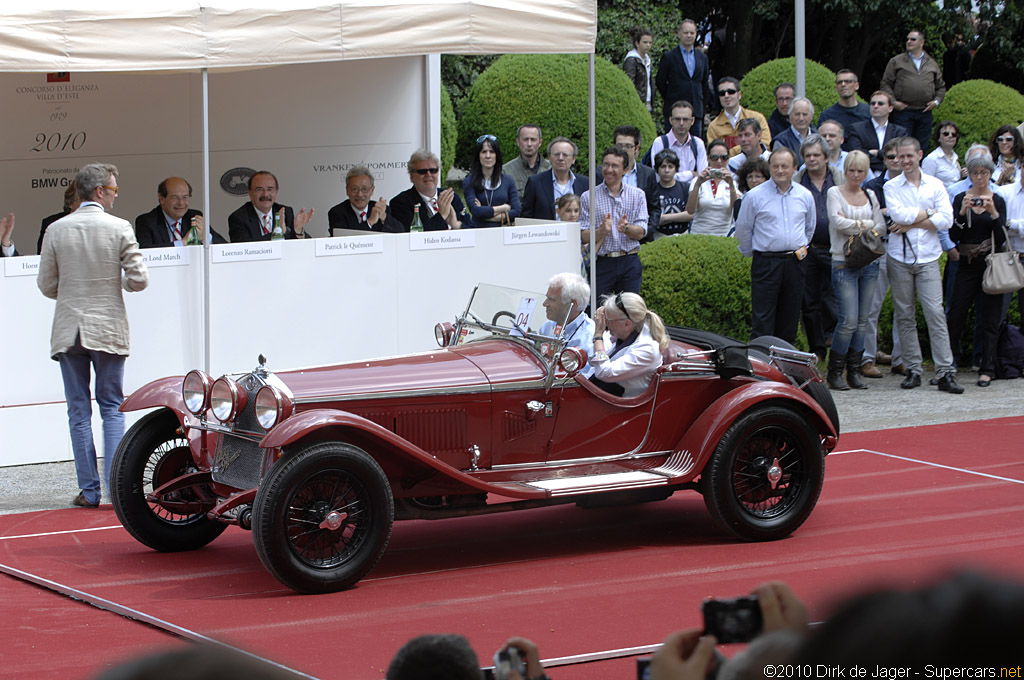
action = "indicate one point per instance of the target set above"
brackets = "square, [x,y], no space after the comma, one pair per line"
[59,141]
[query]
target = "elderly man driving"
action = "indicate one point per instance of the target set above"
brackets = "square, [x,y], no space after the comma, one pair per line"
[569,294]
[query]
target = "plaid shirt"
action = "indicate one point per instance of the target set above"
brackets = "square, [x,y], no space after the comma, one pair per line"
[631,202]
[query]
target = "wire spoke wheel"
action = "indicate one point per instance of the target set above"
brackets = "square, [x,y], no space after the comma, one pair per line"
[326,519]
[170,460]
[766,474]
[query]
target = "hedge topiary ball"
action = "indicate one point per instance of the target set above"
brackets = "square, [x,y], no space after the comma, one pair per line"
[758,85]
[979,108]
[549,90]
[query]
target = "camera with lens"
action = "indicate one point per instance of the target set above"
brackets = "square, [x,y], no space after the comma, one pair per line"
[735,620]
[507,660]
[716,173]
[977,201]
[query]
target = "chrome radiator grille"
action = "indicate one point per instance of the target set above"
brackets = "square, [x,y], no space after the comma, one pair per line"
[238,461]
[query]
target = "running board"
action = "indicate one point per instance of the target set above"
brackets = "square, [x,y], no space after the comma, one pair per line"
[597,483]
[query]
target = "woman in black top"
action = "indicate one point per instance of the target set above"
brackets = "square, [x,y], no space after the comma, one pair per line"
[978,219]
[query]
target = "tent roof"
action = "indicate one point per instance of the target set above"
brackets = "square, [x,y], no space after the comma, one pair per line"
[139,36]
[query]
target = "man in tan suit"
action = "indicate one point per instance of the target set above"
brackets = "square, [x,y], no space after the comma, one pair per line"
[80,267]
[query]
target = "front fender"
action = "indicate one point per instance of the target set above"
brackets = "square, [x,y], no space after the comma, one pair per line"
[703,436]
[306,422]
[163,392]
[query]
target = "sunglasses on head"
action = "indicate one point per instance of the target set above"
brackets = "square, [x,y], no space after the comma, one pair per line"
[486,138]
[622,307]
[423,171]
[722,93]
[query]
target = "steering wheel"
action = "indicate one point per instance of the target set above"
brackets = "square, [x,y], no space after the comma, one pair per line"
[494,321]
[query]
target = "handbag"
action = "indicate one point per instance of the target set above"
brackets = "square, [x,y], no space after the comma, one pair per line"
[1003,271]
[864,248]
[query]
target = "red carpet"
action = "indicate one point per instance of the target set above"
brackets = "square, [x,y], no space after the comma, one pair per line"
[575,581]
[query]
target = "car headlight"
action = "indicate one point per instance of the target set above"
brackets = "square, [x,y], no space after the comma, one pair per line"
[572,359]
[443,333]
[195,392]
[272,406]
[227,399]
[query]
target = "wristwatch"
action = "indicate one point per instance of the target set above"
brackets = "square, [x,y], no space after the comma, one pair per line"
[929,212]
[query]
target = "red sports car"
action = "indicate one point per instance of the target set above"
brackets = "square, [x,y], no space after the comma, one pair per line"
[318,462]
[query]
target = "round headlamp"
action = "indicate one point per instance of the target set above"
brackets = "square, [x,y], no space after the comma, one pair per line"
[195,392]
[272,406]
[572,359]
[443,334]
[227,399]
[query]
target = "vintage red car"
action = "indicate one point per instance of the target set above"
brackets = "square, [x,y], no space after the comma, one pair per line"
[319,462]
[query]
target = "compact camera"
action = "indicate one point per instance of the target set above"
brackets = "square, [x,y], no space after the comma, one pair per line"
[977,201]
[507,660]
[717,173]
[735,620]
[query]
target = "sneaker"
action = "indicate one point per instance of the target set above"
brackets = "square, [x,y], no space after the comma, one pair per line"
[911,381]
[948,383]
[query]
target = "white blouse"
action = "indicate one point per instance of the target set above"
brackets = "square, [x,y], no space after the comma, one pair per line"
[714,215]
[945,170]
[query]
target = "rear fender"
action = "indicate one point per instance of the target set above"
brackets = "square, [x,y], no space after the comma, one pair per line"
[308,423]
[164,392]
[703,436]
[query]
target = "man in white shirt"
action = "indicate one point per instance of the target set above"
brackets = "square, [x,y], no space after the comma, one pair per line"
[1013,194]
[919,208]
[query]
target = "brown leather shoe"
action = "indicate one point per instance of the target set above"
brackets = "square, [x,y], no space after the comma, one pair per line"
[80,502]
[899,370]
[869,370]
[883,358]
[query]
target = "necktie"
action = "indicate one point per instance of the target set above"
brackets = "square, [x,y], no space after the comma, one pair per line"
[433,204]
[266,224]
[362,216]
[177,231]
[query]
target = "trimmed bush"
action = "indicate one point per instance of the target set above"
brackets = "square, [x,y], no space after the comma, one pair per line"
[699,281]
[979,107]
[758,85]
[449,133]
[549,90]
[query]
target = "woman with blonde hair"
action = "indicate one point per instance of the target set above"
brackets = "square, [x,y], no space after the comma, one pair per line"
[628,341]
[851,210]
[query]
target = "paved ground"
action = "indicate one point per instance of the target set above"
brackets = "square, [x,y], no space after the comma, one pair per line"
[883,406]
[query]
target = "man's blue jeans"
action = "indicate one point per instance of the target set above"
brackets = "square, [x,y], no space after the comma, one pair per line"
[75,365]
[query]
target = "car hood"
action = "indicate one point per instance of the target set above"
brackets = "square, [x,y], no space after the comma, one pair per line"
[474,366]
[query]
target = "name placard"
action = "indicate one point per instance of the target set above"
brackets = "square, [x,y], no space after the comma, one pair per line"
[349,245]
[23,265]
[167,257]
[436,240]
[535,234]
[243,252]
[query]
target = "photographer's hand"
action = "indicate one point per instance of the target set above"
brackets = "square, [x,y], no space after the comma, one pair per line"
[529,651]
[781,609]
[686,655]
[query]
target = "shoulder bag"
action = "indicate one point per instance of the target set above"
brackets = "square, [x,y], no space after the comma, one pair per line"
[864,248]
[1003,271]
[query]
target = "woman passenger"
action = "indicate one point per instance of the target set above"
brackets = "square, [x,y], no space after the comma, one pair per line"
[628,341]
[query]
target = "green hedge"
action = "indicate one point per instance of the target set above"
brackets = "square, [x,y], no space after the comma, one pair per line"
[759,85]
[449,133]
[979,108]
[549,90]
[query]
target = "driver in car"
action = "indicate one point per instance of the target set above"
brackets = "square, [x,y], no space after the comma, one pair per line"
[634,337]
[567,290]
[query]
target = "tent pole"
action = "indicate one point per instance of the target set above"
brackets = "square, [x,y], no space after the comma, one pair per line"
[591,124]
[208,235]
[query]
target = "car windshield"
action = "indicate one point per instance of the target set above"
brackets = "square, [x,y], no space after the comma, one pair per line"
[508,312]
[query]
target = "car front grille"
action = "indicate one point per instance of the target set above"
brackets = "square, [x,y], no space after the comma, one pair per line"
[238,461]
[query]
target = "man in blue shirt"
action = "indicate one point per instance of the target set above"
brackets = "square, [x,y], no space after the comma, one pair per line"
[567,296]
[775,224]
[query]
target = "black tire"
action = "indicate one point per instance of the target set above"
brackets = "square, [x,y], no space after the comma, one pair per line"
[297,499]
[815,390]
[151,454]
[764,444]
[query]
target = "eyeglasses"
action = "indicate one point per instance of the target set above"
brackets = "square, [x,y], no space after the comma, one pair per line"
[675,119]
[1007,138]
[722,93]
[486,138]
[949,133]
[880,103]
[423,171]
[114,189]
[890,156]
[718,156]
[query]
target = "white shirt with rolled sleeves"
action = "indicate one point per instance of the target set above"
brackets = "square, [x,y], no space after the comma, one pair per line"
[773,221]
[634,366]
[904,202]
[1013,194]
[631,202]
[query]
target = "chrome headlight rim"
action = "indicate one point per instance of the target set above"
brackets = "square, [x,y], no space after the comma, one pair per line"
[572,360]
[272,406]
[227,399]
[443,333]
[195,392]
